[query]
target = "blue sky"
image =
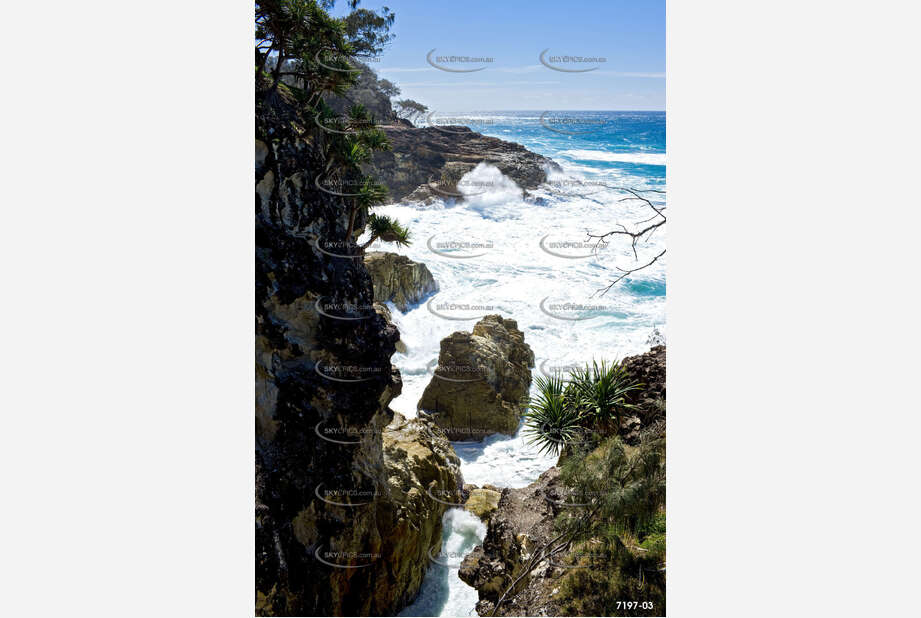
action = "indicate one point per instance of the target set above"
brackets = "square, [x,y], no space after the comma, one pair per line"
[628,35]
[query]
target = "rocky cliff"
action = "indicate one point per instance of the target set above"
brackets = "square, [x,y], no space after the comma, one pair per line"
[428,162]
[649,370]
[480,381]
[398,279]
[341,512]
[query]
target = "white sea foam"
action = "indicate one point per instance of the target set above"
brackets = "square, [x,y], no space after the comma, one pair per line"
[514,274]
[512,277]
[647,158]
[442,592]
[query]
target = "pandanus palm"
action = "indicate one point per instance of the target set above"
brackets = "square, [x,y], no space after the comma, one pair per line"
[388,230]
[549,420]
[600,391]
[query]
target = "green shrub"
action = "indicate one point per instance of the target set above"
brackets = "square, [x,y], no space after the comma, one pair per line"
[549,421]
[623,490]
[600,393]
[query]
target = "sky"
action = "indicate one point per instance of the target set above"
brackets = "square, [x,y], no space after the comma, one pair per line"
[628,35]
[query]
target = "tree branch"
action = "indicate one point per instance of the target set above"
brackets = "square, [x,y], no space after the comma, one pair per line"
[656,221]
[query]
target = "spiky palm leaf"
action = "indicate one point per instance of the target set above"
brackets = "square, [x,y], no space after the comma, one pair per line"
[388,230]
[549,422]
[374,139]
[600,391]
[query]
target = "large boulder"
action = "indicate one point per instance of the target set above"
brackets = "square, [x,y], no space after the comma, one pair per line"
[482,502]
[398,279]
[521,524]
[481,380]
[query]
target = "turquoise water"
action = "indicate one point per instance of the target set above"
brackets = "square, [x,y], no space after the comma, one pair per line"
[529,265]
[616,146]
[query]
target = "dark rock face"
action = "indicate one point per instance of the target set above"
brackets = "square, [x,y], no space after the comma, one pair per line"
[481,380]
[649,370]
[442,155]
[421,466]
[367,91]
[331,490]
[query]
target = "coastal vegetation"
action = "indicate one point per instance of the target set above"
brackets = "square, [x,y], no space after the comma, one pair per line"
[616,549]
[609,542]
[591,402]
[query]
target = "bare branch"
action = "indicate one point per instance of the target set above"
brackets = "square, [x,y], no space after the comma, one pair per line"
[627,272]
[656,221]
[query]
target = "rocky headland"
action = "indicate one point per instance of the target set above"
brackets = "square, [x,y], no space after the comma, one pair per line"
[427,163]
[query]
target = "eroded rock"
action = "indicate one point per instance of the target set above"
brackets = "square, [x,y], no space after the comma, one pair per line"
[481,380]
[421,156]
[398,279]
[482,502]
[649,370]
[421,465]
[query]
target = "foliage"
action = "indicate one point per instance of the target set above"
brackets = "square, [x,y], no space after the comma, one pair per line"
[621,529]
[600,392]
[409,109]
[388,230]
[548,419]
[593,398]
[369,31]
[304,52]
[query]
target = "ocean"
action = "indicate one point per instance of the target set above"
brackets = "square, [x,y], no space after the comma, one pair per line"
[527,257]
